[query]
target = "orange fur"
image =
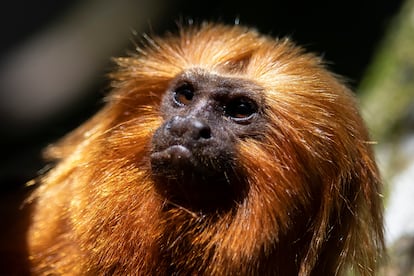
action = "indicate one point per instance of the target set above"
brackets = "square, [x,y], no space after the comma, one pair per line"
[313,206]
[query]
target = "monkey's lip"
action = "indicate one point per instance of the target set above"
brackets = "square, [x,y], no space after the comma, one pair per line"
[176,154]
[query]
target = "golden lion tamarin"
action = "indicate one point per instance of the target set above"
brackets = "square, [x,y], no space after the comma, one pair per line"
[220,151]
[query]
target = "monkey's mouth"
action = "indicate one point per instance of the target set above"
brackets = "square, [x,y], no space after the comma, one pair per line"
[177,158]
[182,177]
[176,155]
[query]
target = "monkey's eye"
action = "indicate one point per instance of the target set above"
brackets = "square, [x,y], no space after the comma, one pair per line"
[183,94]
[240,109]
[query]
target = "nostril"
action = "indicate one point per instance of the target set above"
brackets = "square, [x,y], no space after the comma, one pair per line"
[176,126]
[201,130]
[205,132]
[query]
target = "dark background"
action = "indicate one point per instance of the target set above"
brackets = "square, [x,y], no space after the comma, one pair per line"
[346,33]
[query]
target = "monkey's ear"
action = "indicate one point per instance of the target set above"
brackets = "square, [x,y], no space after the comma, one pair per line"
[369,216]
[365,211]
[351,214]
[80,137]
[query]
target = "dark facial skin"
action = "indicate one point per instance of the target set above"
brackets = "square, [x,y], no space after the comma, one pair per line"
[194,151]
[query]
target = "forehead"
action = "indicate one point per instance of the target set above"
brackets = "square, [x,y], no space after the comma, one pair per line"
[201,79]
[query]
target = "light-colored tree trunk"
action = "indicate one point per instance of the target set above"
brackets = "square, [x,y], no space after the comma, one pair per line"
[387,99]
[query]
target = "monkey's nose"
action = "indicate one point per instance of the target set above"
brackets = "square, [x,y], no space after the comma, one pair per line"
[200,129]
[191,127]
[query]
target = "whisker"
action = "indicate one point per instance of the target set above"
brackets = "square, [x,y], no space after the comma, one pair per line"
[193,214]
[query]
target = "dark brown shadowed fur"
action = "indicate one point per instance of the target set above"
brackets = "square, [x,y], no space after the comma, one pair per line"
[301,191]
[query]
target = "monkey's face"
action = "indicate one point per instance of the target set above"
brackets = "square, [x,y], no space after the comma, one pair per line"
[194,150]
